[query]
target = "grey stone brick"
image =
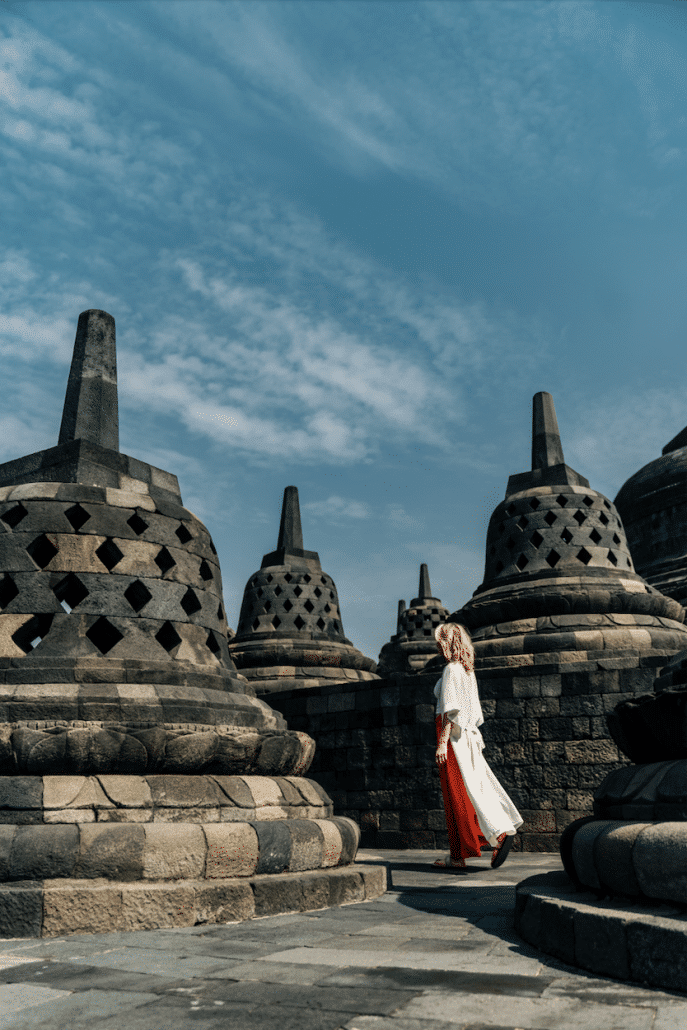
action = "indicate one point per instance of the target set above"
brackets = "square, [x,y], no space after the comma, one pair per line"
[43,852]
[274,848]
[111,851]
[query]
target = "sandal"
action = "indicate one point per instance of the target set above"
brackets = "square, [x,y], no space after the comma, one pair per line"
[449,863]
[500,854]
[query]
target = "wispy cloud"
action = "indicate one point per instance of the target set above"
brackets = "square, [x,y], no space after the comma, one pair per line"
[618,436]
[497,81]
[338,509]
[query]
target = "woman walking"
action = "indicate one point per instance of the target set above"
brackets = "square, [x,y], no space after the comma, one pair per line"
[478,810]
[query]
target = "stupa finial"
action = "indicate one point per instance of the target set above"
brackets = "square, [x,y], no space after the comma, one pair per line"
[290,532]
[424,589]
[546,440]
[90,406]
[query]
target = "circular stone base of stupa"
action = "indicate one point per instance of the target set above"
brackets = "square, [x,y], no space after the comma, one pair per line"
[645,942]
[270,666]
[56,907]
[82,854]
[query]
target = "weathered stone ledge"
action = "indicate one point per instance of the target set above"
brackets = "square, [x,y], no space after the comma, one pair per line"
[646,944]
[166,798]
[624,858]
[56,907]
[174,851]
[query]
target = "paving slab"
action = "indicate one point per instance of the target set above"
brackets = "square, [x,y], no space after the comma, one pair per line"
[438,951]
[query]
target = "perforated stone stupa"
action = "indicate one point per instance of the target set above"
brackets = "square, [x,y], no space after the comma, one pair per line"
[653,506]
[564,629]
[142,783]
[413,645]
[290,631]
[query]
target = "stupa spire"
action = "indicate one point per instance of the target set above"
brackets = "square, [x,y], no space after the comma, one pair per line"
[90,405]
[424,589]
[290,531]
[546,439]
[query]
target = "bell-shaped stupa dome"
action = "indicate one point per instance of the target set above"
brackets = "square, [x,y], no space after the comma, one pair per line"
[556,547]
[653,506]
[413,645]
[290,632]
[113,632]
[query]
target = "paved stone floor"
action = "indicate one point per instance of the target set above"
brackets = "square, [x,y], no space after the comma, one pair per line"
[436,952]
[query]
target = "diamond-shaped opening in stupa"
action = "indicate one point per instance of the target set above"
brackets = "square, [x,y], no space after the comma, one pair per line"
[14,516]
[104,635]
[42,550]
[212,643]
[550,518]
[190,602]
[168,637]
[77,516]
[612,558]
[30,634]
[536,538]
[164,561]
[205,571]
[70,592]
[183,534]
[138,524]
[8,590]
[552,558]
[584,556]
[109,554]
[138,595]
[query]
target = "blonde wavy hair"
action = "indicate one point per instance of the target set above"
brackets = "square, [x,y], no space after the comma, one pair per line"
[453,640]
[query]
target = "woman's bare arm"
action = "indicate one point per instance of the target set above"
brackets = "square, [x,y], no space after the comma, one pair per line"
[442,746]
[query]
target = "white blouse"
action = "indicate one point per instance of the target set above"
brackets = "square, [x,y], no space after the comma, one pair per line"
[457,697]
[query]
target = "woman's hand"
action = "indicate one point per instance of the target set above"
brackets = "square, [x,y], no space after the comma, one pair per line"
[442,746]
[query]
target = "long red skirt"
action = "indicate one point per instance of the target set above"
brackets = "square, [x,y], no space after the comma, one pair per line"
[464,834]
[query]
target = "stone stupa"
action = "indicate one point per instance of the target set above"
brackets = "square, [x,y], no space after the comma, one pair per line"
[653,507]
[413,645]
[563,629]
[142,783]
[290,632]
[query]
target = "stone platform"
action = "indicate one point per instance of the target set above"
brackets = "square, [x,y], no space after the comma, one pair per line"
[437,951]
[627,940]
[125,852]
[54,907]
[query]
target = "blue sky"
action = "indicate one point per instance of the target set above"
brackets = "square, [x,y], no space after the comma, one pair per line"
[344,243]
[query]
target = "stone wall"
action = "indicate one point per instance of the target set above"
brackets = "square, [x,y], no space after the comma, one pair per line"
[546,740]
